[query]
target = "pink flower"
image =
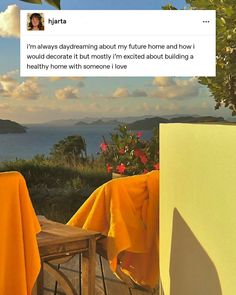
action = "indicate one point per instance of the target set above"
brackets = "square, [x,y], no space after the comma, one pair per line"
[156,166]
[145,171]
[109,168]
[103,146]
[141,155]
[138,153]
[143,159]
[139,134]
[121,168]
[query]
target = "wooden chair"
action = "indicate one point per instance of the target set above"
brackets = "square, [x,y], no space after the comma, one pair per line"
[102,253]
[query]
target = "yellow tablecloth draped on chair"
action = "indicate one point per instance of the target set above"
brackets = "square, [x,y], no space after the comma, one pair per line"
[19,255]
[126,211]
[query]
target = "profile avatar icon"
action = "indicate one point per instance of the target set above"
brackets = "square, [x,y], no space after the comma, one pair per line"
[35,22]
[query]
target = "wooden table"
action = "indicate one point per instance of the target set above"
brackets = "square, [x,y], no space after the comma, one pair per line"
[57,241]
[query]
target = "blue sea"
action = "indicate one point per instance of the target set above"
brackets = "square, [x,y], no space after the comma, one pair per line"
[39,139]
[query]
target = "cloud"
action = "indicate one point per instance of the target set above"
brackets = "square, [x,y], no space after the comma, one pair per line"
[124,92]
[14,73]
[121,92]
[163,81]
[170,88]
[7,85]
[54,79]
[138,93]
[67,93]
[43,109]
[145,107]
[34,109]
[10,22]
[4,107]
[28,89]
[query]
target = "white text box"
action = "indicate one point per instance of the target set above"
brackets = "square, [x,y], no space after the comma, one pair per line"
[119,43]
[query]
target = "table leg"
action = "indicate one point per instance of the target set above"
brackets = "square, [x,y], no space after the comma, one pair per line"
[88,270]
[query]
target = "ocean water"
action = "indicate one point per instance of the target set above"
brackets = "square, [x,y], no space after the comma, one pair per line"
[39,139]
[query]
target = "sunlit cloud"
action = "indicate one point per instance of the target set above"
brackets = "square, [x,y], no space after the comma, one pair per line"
[124,92]
[10,22]
[54,79]
[11,88]
[4,107]
[163,81]
[28,89]
[37,109]
[121,92]
[170,88]
[34,109]
[67,93]
[14,73]
[7,85]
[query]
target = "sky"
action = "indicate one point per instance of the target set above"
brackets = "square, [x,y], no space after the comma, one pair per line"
[36,100]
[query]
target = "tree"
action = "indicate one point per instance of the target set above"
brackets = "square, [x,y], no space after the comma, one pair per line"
[71,150]
[223,86]
[55,3]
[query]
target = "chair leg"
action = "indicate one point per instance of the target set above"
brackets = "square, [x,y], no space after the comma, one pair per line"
[80,274]
[56,283]
[103,276]
[61,278]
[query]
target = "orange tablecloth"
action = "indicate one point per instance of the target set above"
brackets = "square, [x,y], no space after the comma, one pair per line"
[19,256]
[126,211]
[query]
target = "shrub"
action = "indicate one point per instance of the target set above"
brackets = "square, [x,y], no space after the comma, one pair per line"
[128,153]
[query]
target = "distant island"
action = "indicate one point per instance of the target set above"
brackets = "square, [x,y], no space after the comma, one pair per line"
[150,123]
[100,122]
[145,122]
[8,126]
[93,120]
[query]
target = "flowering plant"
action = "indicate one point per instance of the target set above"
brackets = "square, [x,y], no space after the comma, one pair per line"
[128,153]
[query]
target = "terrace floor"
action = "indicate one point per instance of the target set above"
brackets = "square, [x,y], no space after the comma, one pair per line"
[110,286]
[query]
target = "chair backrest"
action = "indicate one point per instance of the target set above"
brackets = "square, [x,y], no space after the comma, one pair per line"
[19,255]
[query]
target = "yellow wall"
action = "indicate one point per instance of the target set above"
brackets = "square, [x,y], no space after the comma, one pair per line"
[198,209]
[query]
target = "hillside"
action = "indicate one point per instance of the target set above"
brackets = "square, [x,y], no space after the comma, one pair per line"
[7,126]
[149,124]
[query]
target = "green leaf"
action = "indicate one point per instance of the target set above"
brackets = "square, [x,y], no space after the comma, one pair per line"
[168,7]
[223,20]
[55,3]
[222,87]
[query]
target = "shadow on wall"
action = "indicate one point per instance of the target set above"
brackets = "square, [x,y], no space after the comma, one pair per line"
[192,271]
